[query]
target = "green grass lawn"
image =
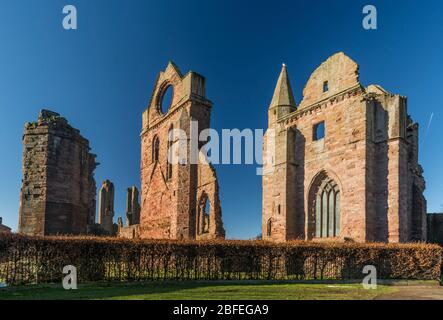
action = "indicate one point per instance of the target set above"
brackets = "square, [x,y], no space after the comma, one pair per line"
[198,291]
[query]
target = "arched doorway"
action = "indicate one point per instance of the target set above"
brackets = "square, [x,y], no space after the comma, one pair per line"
[324,208]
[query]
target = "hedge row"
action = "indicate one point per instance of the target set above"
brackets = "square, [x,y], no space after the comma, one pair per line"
[26,260]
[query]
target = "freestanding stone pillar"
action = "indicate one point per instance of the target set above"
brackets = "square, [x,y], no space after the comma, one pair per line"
[132,207]
[173,195]
[106,207]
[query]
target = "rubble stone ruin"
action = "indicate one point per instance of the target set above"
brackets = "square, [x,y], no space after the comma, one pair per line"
[58,188]
[132,207]
[132,228]
[340,165]
[345,161]
[178,201]
[106,207]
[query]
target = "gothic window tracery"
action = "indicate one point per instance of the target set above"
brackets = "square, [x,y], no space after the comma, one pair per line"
[327,210]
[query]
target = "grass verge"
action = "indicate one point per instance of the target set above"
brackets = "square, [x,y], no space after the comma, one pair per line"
[197,291]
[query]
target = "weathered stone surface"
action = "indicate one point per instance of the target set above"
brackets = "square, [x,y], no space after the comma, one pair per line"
[132,207]
[129,232]
[172,194]
[435,227]
[106,207]
[58,188]
[368,158]
[132,228]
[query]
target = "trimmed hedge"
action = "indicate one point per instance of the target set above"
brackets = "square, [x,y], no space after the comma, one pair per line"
[26,260]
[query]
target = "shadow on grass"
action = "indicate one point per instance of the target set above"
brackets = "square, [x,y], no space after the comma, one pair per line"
[193,290]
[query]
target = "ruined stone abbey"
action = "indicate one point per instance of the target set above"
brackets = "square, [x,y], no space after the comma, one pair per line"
[340,165]
[345,161]
[178,201]
[58,186]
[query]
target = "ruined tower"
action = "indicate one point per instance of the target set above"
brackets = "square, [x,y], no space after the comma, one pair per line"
[177,198]
[278,169]
[106,207]
[343,163]
[131,230]
[132,207]
[58,187]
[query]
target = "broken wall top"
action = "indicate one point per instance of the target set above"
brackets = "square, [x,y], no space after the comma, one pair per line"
[339,71]
[50,122]
[190,86]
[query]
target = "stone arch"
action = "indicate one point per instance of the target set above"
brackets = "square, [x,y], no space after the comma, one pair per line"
[208,188]
[203,220]
[324,206]
[159,100]
[171,76]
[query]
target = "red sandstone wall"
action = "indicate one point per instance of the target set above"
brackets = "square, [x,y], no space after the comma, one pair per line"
[168,205]
[58,190]
[366,151]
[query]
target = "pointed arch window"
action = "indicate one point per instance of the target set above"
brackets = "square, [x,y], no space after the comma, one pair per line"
[155,149]
[327,210]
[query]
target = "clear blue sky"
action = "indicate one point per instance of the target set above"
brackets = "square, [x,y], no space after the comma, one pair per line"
[100,76]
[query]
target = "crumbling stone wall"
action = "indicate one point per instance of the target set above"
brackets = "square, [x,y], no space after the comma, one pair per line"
[58,189]
[128,232]
[368,157]
[170,192]
[106,207]
[132,207]
[435,227]
[131,229]
[208,220]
